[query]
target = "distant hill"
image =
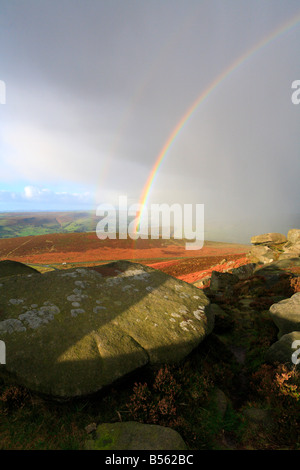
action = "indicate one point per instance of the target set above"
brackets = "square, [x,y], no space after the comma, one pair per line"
[23,224]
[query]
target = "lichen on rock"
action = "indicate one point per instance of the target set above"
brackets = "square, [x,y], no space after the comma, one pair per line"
[87,328]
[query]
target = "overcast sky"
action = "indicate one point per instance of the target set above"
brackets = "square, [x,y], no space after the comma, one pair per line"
[94,88]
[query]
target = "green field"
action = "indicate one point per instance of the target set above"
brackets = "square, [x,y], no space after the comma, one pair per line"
[34,223]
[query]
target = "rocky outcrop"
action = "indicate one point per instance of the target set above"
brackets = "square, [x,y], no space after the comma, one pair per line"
[255,289]
[70,333]
[270,247]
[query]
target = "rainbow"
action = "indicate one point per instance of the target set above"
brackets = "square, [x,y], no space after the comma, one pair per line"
[154,68]
[200,99]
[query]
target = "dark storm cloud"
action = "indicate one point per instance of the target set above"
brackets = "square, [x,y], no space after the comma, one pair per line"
[95,88]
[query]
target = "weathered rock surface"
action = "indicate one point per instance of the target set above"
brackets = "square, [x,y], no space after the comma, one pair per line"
[282,350]
[220,281]
[72,332]
[286,315]
[292,248]
[275,246]
[288,255]
[277,270]
[244,271]
[131,435]
[293,235]
[262,254]
[287,264]
[268,239]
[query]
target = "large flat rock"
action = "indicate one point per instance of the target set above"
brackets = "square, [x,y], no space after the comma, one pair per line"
[72,332]
[268,238]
